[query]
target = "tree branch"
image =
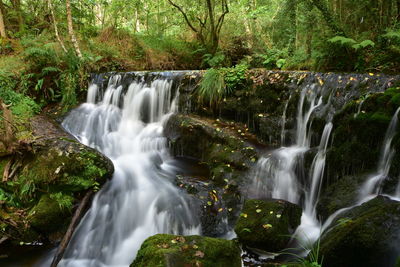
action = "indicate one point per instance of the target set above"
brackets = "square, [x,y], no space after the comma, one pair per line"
[184,16]
[225,10]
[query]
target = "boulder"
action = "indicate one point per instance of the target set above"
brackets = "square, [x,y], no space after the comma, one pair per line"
[367,235]
[179,251]
[44,185]
[226,151]
[267,224]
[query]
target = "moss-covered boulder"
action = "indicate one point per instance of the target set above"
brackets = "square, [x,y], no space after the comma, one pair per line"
[358,135]
[267,225]
[227,151]
[164,250]
[367,235]
[340,194]
[45,183]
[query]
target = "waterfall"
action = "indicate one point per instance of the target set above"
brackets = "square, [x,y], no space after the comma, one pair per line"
[309,229]
[397,193]
[274,175]
[284,121]
[140,199]
[317,172]
[278,174]
[373,185]
[360,106]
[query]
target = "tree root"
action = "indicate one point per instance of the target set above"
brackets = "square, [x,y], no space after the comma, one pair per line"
[80,211]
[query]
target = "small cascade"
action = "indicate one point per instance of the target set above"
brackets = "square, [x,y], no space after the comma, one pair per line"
[126,124]
[309,229]
[372,186]
[284,121]
[397,193]
[317,171]
[360,106]
[278,175]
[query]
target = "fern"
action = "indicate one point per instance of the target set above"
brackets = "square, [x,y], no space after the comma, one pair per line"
[344,41]
[65,202]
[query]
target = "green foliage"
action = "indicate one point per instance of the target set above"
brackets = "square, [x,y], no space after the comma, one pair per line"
[348,42]
[274,58]
[219,83]
[212,87]
[65,202]
[314,258]
[21,106]
[214,61]
[235,77]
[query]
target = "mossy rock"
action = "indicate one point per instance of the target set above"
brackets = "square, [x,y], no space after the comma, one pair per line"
[267,225]
[47,215]
[367,235]
[340,194]
[49,180]
[226,151]
[186,251]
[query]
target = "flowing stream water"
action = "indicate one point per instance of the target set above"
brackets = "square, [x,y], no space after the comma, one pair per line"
[126,123]
[140,200]
[372,186]
[278,174]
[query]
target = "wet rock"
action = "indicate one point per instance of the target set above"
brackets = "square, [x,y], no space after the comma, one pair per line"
[47,182]
[267,224]
[367,235]
[227,152]
[171,250]
[340,194]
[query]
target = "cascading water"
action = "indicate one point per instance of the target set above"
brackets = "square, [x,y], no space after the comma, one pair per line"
[140,200]
[275,175]
[372,186]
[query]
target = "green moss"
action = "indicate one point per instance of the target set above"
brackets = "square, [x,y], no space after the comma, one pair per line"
[47,215]
[51,179]
[267,224]
[58,170]
[170,250]
[364,236]
[357,138]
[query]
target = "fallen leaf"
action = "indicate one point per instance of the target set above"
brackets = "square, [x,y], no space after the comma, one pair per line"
[267,226]
[199,254]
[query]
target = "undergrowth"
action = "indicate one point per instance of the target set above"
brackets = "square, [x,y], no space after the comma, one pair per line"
[217,84]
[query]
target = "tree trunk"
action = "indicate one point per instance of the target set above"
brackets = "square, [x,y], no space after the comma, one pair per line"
[17,8]
[71,29]
[3,33]
[79,213]
[328,17]
[292,10]
[55,26]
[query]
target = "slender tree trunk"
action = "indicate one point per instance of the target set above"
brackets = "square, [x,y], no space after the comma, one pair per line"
[328,17]
[293,21]
[3,32]
[17,8]
[60,41]
[398,10]
[71,29]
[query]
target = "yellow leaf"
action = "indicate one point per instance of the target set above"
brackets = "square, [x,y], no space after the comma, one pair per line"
[267,226]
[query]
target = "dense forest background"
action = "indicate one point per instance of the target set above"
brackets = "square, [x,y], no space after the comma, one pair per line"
[48,47]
